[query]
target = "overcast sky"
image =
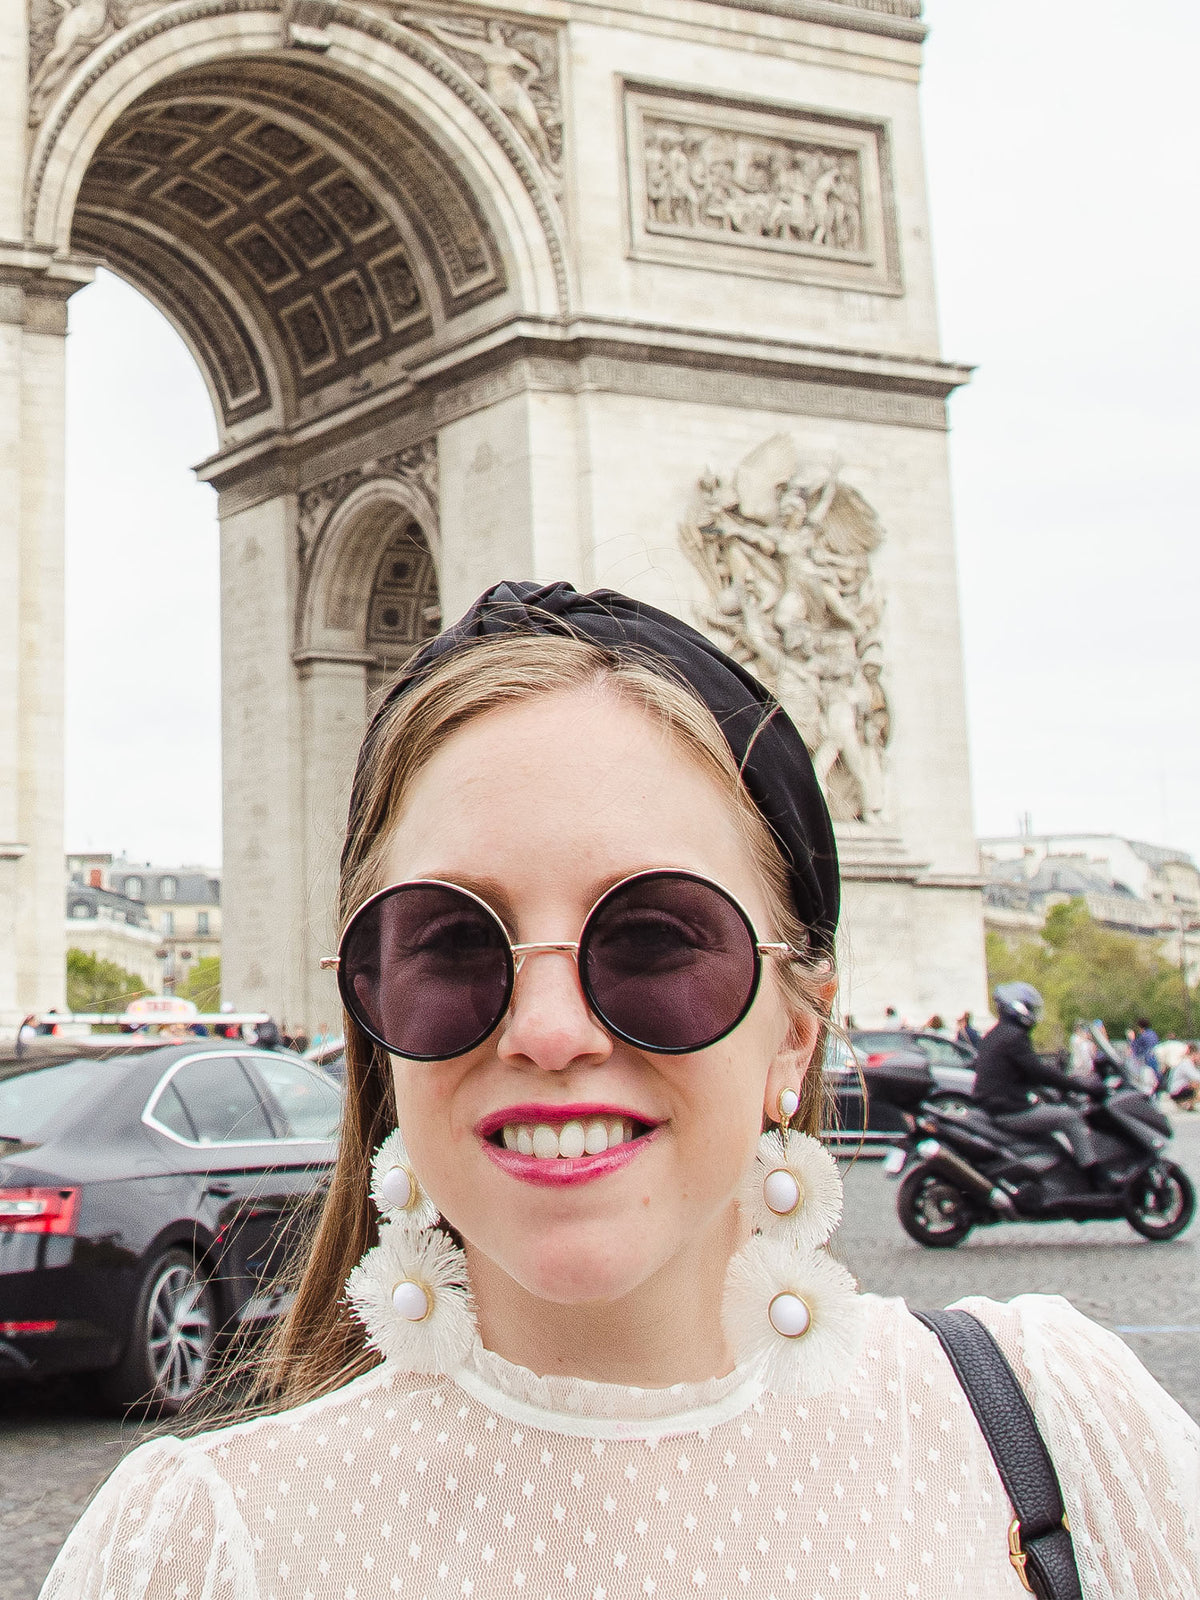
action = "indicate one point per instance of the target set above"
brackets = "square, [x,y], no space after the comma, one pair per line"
[1061,149]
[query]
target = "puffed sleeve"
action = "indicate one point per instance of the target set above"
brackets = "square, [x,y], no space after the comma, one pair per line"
[1127,1456]
[165,1524]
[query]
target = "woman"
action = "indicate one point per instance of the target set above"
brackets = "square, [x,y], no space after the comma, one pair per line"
[589,894]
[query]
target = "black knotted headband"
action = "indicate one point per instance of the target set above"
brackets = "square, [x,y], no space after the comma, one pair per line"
[772,758]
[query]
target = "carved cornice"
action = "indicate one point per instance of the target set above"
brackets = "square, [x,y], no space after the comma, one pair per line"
[894,19]
[638,360]
[28,267]
[35,286]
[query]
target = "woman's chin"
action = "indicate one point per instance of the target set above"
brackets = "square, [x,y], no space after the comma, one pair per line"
[566,1272]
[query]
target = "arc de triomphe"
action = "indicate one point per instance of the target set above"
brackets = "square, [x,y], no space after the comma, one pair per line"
[636,293]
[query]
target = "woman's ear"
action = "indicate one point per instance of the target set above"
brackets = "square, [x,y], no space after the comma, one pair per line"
[794,1056]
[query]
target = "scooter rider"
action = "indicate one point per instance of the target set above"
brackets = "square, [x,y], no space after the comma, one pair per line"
[1007,1067]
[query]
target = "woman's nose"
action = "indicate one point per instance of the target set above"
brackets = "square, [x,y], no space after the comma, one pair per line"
[549,1023]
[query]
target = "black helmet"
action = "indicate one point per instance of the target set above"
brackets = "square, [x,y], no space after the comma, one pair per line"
[1018,1002]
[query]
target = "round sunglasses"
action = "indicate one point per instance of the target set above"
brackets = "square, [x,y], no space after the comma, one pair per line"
[668,961]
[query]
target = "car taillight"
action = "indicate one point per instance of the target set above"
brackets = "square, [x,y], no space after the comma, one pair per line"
[38,1210]
[27,1327]
[876,1058]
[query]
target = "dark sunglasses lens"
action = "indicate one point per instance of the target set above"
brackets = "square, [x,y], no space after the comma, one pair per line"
[427,970]
[669,962]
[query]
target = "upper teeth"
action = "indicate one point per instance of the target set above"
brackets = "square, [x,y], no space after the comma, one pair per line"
[571,1140]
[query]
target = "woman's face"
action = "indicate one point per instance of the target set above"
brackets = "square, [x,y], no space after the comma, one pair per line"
[539,808]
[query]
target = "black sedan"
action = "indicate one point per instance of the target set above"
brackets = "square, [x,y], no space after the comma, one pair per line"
[147,1204]
[865,1096]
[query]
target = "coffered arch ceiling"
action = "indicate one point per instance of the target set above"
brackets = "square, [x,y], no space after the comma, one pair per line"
[302,232]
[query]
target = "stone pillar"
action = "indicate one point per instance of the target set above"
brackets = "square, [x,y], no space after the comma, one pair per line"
[333,700]
[33,295]
[12,846]
[510,497]
[263,954]
[41,969]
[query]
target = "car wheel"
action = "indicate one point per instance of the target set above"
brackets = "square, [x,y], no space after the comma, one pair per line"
[934,1211]
[171,1340]
[1159,1204]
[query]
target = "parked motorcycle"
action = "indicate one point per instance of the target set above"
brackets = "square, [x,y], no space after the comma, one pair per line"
[960,1170]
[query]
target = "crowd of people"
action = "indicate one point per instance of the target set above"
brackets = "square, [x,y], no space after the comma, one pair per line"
[1161,1066]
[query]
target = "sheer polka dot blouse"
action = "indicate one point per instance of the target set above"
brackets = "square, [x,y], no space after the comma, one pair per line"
[499,1483]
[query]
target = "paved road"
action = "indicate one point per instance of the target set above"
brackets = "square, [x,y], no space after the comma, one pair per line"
[53,1452]
[1149,1293]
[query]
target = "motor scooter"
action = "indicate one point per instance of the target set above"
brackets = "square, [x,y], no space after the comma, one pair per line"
[959,1170]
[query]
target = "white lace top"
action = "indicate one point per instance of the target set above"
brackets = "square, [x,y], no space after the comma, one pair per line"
[500,1483]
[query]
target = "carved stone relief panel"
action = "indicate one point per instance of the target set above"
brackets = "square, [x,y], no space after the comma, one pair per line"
[515,63]
[749,188]
[61,32]
[784,546]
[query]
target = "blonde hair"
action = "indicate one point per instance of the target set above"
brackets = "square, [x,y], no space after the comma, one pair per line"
[319,1345]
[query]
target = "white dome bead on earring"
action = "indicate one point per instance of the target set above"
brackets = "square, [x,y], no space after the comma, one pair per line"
[410,1301]
[789,1316]
[394,1186]
[789,1104]
[782,1193]
[412,1296]
[793,1190]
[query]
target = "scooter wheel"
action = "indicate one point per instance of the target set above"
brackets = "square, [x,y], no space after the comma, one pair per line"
[1161,1202]
[934,1211]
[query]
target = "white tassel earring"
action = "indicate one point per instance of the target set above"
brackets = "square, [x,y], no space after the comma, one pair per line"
[394,1187]
[411,1292]
[793,1191]
[788,1307]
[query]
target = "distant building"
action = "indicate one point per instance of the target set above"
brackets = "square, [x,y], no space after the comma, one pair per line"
[182,906]
[1132,887]
[113,927]
[185,909]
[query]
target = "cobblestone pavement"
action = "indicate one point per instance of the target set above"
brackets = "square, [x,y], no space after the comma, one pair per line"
[53,1451]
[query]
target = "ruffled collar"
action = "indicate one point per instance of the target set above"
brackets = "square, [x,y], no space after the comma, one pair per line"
[586,1409]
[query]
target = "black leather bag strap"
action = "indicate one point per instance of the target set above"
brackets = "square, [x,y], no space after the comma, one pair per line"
[1039,1537]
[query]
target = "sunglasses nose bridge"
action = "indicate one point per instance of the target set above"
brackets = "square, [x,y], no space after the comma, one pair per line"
[566,947]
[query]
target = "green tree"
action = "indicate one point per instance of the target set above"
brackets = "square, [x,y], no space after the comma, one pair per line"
[203,984]
[97,985]
[1084,970]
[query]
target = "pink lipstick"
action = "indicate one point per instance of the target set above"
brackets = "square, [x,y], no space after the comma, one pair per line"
[554,1146]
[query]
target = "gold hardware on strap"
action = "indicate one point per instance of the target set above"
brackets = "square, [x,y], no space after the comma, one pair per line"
[1016,1551]
[1016,1554]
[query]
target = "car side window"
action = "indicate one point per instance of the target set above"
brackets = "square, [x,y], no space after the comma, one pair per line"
[943,1052]
[312,1107]
[868,1043]
[222,1101]
[170,1110]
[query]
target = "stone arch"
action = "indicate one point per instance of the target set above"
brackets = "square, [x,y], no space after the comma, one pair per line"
[370,597]
[340,220]
[314,221]
[355,525]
